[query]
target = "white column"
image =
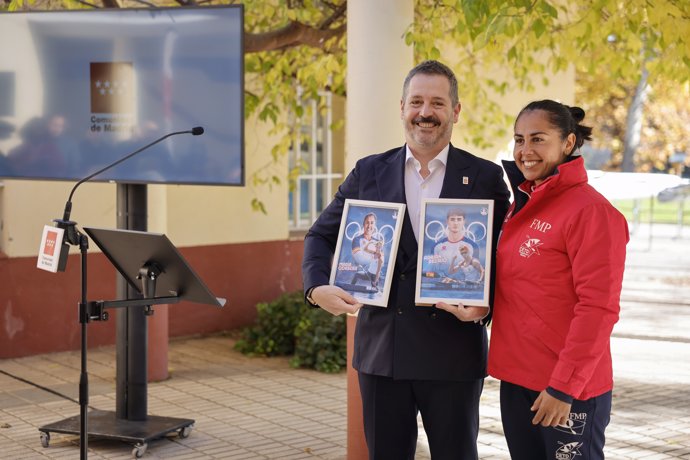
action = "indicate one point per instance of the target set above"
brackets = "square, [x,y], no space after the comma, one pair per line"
[377,62]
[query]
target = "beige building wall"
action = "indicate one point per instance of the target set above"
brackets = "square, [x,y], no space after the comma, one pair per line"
[204,215]
[26,206]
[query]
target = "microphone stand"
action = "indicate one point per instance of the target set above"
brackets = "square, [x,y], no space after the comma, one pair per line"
[88,310]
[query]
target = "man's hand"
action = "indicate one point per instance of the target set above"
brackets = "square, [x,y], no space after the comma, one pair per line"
[550,411]
[335,300]
[464,313]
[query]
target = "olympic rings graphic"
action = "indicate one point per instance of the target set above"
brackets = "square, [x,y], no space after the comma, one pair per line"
[383,231]
[476,235]
[476,231]
[379,233]
[358,230]
[439,234]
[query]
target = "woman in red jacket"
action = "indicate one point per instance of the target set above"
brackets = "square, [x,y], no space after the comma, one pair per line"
[559,271]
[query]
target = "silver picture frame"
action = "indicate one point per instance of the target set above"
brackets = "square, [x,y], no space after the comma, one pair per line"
[454,259]
[366,250]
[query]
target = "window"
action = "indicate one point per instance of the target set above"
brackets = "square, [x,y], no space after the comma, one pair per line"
[312,155]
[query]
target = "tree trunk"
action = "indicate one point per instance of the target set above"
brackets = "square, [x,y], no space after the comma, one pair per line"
[633,124]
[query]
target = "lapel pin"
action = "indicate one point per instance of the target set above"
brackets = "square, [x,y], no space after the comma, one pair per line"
[465,180]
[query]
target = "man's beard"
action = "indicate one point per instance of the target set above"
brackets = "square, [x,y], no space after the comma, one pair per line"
[424,139]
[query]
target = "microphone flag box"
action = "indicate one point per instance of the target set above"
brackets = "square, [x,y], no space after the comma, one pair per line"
[51,246]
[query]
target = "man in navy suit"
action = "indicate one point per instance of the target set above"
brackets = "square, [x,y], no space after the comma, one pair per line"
[411,359]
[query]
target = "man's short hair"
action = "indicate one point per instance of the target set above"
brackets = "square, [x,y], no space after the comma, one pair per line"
[455,212]
[434,68]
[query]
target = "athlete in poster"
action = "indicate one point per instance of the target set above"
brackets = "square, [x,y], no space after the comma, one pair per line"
[367,252]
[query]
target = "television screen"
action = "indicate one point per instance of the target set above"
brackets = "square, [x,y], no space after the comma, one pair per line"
[82,89]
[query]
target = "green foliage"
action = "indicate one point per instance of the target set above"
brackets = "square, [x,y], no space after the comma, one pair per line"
[664,123]
[288,326]
[499,46]
[274,331]
[321,342]
[15,5]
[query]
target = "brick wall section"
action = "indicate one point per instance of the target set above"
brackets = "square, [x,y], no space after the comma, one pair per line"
[38,310]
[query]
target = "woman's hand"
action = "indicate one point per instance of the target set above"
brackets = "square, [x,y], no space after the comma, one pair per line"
[550,411]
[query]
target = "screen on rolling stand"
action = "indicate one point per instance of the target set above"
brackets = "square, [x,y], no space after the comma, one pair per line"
[81,89]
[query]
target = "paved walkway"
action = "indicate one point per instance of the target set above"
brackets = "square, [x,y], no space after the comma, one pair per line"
[260,408]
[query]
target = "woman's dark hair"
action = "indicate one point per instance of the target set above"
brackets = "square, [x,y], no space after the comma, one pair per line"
[566,119]
[371,214]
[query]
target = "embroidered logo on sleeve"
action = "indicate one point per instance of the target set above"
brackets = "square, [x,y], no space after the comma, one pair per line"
[530,247]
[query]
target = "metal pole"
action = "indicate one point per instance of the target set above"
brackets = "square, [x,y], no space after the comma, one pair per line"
[132,347]
[83,377]
[681,216]
[651,220]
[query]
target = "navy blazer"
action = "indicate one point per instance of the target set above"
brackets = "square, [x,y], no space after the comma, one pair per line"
[405,341]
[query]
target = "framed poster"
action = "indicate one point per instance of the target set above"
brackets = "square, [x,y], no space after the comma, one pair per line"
[454,260]
[367,246]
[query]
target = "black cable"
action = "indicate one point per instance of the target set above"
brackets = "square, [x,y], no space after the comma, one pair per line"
[56,393]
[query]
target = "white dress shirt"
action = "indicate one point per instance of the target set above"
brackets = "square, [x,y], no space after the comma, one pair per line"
[418,188]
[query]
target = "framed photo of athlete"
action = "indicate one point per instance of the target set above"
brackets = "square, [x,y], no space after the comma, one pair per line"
[454,260]
[367,246]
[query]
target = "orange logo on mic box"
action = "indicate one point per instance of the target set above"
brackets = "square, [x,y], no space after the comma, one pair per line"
[51,240]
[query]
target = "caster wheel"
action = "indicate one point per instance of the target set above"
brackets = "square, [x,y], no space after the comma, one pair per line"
[185,431]
[139,450]
[45,439]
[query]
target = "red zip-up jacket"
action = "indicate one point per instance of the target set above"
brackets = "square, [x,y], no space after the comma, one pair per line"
[559,271]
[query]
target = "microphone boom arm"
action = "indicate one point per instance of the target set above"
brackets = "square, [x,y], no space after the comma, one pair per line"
[68,205]
[72,235]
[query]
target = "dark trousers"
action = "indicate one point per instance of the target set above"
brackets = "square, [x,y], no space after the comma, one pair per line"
[582,438]
[450,414]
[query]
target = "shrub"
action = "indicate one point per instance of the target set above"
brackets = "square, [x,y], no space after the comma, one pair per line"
[321,342]
[288,326]
[273,334]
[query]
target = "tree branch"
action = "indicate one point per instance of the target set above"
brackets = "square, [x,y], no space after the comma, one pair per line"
[91,5]
[294,34]
[338,12]
[147,3]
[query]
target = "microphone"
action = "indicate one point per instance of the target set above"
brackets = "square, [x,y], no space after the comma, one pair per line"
[71,236]
[196,131]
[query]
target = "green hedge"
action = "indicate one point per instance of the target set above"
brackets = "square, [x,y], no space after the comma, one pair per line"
[287,326]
